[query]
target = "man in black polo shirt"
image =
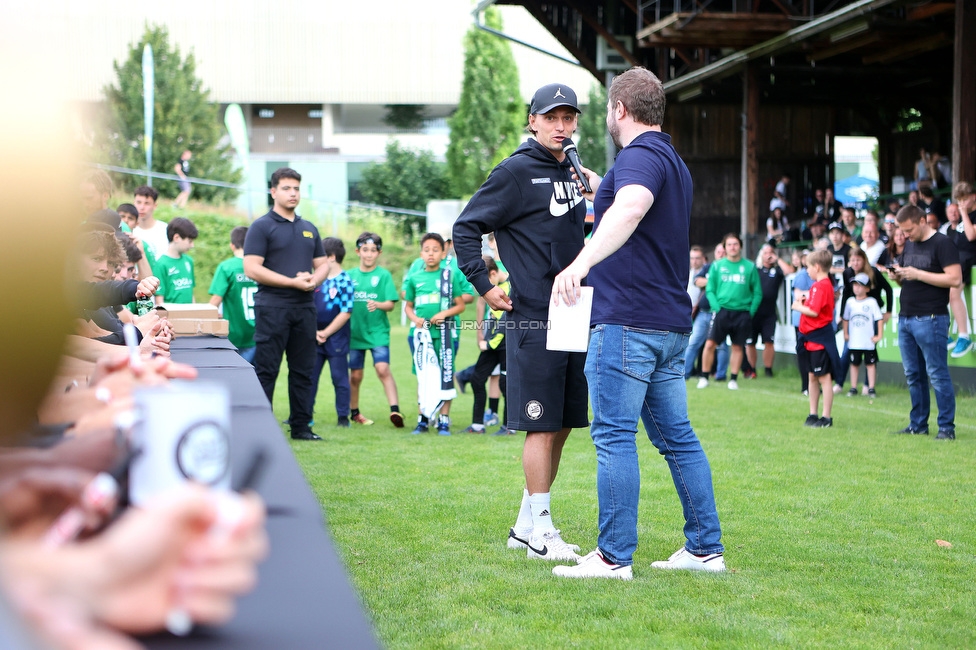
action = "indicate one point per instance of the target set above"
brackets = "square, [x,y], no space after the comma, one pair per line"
[283,254]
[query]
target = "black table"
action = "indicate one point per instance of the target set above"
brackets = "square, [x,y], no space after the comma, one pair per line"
[303,600]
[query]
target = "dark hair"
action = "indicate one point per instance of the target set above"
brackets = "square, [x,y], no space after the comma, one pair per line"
[490,263]
[133,251]
[911,213]
[641,93]
[432,235]
[97,240]
[334,246]
[733,236]
[284,172]
[127,208]
[183,227]
[145,190]
[368,236]
[237,236]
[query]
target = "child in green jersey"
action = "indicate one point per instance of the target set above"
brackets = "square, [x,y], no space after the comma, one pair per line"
[422,291]
[174,268]
[235,291]
[374,296]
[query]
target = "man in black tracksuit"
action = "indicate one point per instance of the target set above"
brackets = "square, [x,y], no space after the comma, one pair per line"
[534,207]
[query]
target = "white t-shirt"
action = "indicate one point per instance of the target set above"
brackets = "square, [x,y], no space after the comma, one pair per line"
[694,292]
[873,252]
[154,236]
[861,316]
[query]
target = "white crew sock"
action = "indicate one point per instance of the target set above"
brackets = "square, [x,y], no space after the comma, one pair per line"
[541,519]
[524,522]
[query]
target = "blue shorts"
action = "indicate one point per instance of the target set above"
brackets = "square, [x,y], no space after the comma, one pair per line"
[357,358]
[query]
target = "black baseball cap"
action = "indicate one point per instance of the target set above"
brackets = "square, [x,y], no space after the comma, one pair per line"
[552,96]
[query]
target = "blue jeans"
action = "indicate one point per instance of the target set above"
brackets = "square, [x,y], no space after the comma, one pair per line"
[639,373]
[699,331]
[922,341]
[248,354]
[337,357]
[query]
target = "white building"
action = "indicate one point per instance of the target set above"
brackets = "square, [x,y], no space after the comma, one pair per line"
[313,78]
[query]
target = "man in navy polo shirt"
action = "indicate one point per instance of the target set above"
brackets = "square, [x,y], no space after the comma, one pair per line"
[637,262]
[283,254]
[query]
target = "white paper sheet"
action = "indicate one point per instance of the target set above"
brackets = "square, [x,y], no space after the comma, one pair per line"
[569,326]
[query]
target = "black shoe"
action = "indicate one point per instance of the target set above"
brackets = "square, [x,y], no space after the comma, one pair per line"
[304,435]
[811,421]
[823,423]
[912,430]
[852,392]
[769,372]
[946,434]
[343,422]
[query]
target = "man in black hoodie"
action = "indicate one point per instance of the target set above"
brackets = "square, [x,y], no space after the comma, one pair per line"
[533,205]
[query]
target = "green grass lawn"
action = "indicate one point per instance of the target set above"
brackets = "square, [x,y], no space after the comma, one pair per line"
[830,534]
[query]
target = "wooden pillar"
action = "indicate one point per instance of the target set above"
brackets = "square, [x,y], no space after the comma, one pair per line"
[749,184]
[964,93]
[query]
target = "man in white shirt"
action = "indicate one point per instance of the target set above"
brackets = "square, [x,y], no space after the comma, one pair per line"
[697,262]
[871,244]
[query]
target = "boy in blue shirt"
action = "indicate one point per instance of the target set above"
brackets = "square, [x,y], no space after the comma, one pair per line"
[333,306]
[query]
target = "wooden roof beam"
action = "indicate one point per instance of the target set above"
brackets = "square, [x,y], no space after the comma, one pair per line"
[534,7]
[603,31]
[912,48]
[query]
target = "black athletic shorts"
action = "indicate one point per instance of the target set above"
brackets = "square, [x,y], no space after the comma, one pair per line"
[546,388]
[735,324]
[819,362]
[764,325]
[869,357]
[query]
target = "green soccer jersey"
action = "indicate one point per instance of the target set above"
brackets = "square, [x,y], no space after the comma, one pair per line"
[236,292]
[423,289]
[370,329]
[175,278]
[419,265]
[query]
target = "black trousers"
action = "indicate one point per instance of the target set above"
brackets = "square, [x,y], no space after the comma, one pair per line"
[487,361]
[289,331]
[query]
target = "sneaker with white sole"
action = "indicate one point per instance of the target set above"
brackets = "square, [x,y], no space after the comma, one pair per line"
[683,559]
[594,565]
[518,540]
[962,348]
[548,545]
[950,343]
[703,382]
[733,384]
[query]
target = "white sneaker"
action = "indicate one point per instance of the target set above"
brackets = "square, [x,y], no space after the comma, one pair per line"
[548,545]
[682,559]
[733,384]
[518,540]
[594,566]
[703,382]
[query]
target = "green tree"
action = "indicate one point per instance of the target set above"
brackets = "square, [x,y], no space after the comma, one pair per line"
[491,113]
[184,118]
[407,179]
[591,137]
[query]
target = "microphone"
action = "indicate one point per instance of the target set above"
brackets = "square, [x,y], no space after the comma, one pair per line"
[569,147]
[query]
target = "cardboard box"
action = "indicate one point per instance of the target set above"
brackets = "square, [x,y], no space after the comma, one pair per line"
[202,310]
[198,326]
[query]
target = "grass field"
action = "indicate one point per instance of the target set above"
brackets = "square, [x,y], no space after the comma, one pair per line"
[830,534]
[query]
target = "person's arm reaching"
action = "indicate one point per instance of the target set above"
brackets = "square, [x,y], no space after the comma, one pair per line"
[630,205]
